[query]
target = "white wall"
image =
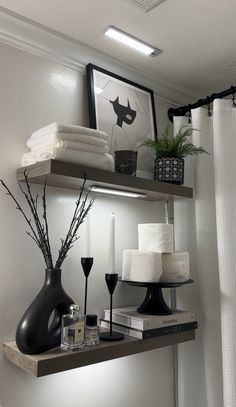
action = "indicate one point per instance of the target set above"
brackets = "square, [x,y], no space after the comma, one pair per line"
[35,92]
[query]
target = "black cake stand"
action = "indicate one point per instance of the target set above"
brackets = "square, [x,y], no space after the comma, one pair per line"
[154,303]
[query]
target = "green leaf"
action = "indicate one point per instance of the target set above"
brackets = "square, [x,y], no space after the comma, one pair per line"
[176,147]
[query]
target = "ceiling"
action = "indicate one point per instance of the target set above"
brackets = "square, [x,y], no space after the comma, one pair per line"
[197,36]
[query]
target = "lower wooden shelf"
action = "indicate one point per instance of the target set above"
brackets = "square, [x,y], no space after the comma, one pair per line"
[58,360]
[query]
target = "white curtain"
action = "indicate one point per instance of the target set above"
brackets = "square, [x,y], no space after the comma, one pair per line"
[210,236]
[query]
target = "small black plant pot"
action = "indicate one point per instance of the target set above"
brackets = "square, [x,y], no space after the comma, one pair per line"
[169,170]
[34,333]
[126,162]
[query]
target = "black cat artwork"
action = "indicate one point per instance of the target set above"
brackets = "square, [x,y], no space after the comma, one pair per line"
[124,113]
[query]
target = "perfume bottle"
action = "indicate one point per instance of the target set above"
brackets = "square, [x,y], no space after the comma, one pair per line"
[91,330]
[72,334]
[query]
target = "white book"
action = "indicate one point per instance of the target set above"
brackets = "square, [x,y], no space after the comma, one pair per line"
[131,318]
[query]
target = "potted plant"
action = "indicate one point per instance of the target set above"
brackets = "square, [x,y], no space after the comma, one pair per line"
[170,153]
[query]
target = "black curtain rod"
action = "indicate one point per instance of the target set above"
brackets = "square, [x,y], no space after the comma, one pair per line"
[181,111]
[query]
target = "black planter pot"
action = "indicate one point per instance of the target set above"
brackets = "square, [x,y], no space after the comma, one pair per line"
[126,162]
[34,335]
[169,170]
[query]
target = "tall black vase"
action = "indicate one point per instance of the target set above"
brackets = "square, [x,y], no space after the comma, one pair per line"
[34,333]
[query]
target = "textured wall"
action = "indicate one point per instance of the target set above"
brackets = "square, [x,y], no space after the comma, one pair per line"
[35,92]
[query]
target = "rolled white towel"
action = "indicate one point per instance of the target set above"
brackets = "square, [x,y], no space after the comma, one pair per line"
[101,161]
[72,145]
[156,237]
[141,266]
[175,267]
[55,138]
[56,127]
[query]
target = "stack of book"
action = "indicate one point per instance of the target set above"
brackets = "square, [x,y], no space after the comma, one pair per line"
[130,322]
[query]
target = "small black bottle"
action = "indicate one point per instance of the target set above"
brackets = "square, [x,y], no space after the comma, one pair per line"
[91,330]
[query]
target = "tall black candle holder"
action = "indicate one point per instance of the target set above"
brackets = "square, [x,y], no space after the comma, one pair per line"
[86,263]
[111,281]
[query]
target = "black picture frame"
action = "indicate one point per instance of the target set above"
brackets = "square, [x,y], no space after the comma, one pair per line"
[123,109]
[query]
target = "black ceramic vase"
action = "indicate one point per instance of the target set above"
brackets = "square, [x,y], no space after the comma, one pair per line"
[34,333]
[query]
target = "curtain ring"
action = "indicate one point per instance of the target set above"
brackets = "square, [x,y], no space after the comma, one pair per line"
[233,97]
[209,112]
[189,117]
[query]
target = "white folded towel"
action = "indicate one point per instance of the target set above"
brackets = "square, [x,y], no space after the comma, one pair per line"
[55,127]
[55,138]
[101,161]
[72,145]
[28,159]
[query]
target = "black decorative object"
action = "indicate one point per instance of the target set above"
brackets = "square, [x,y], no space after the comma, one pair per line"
[86,263]
[154,303]
[34,333]
[124,113]
[111,281]
[126,162]
[169,170]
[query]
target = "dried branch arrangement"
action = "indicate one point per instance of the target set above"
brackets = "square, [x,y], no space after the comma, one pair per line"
[39,231]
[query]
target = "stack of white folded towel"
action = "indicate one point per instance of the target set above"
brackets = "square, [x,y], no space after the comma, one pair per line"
[80,145]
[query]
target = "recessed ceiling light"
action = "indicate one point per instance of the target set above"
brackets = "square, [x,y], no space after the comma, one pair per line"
[131,41]
[119,192]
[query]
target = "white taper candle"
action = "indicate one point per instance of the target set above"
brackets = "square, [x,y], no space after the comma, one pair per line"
[87,236]
[111,263]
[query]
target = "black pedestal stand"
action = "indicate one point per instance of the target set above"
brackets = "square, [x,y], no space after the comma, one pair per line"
[154,303]
[111,280]
[86,263]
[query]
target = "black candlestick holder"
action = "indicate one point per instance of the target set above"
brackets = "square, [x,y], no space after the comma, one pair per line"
[86,263]
[111,281]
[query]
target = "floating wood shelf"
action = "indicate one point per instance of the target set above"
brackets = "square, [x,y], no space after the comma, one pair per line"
[58,360]
[68,175]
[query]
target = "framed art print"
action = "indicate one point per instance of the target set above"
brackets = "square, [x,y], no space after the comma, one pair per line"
[125,111]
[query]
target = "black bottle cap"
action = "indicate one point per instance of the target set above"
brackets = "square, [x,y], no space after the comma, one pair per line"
[91,319]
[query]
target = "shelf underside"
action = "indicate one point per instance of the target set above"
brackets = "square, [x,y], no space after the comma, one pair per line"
[58,360]
[68,175]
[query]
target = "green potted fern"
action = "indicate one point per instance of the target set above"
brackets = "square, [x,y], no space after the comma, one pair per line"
[170,153]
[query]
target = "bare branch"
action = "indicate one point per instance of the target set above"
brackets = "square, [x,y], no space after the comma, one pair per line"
[79,215]
[39,226]
[40,234]
[46,223]
[21,210]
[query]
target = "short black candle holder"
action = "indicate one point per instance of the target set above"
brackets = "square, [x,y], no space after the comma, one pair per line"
[111,281]
[86,263]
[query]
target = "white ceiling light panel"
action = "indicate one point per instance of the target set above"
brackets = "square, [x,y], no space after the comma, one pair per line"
[147,5]
[131,41]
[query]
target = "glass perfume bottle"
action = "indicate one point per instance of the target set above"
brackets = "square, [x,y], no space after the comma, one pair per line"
[72,329]
[91,330]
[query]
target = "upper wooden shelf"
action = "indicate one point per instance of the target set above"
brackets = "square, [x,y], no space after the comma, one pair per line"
[58,360]
[68,175]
